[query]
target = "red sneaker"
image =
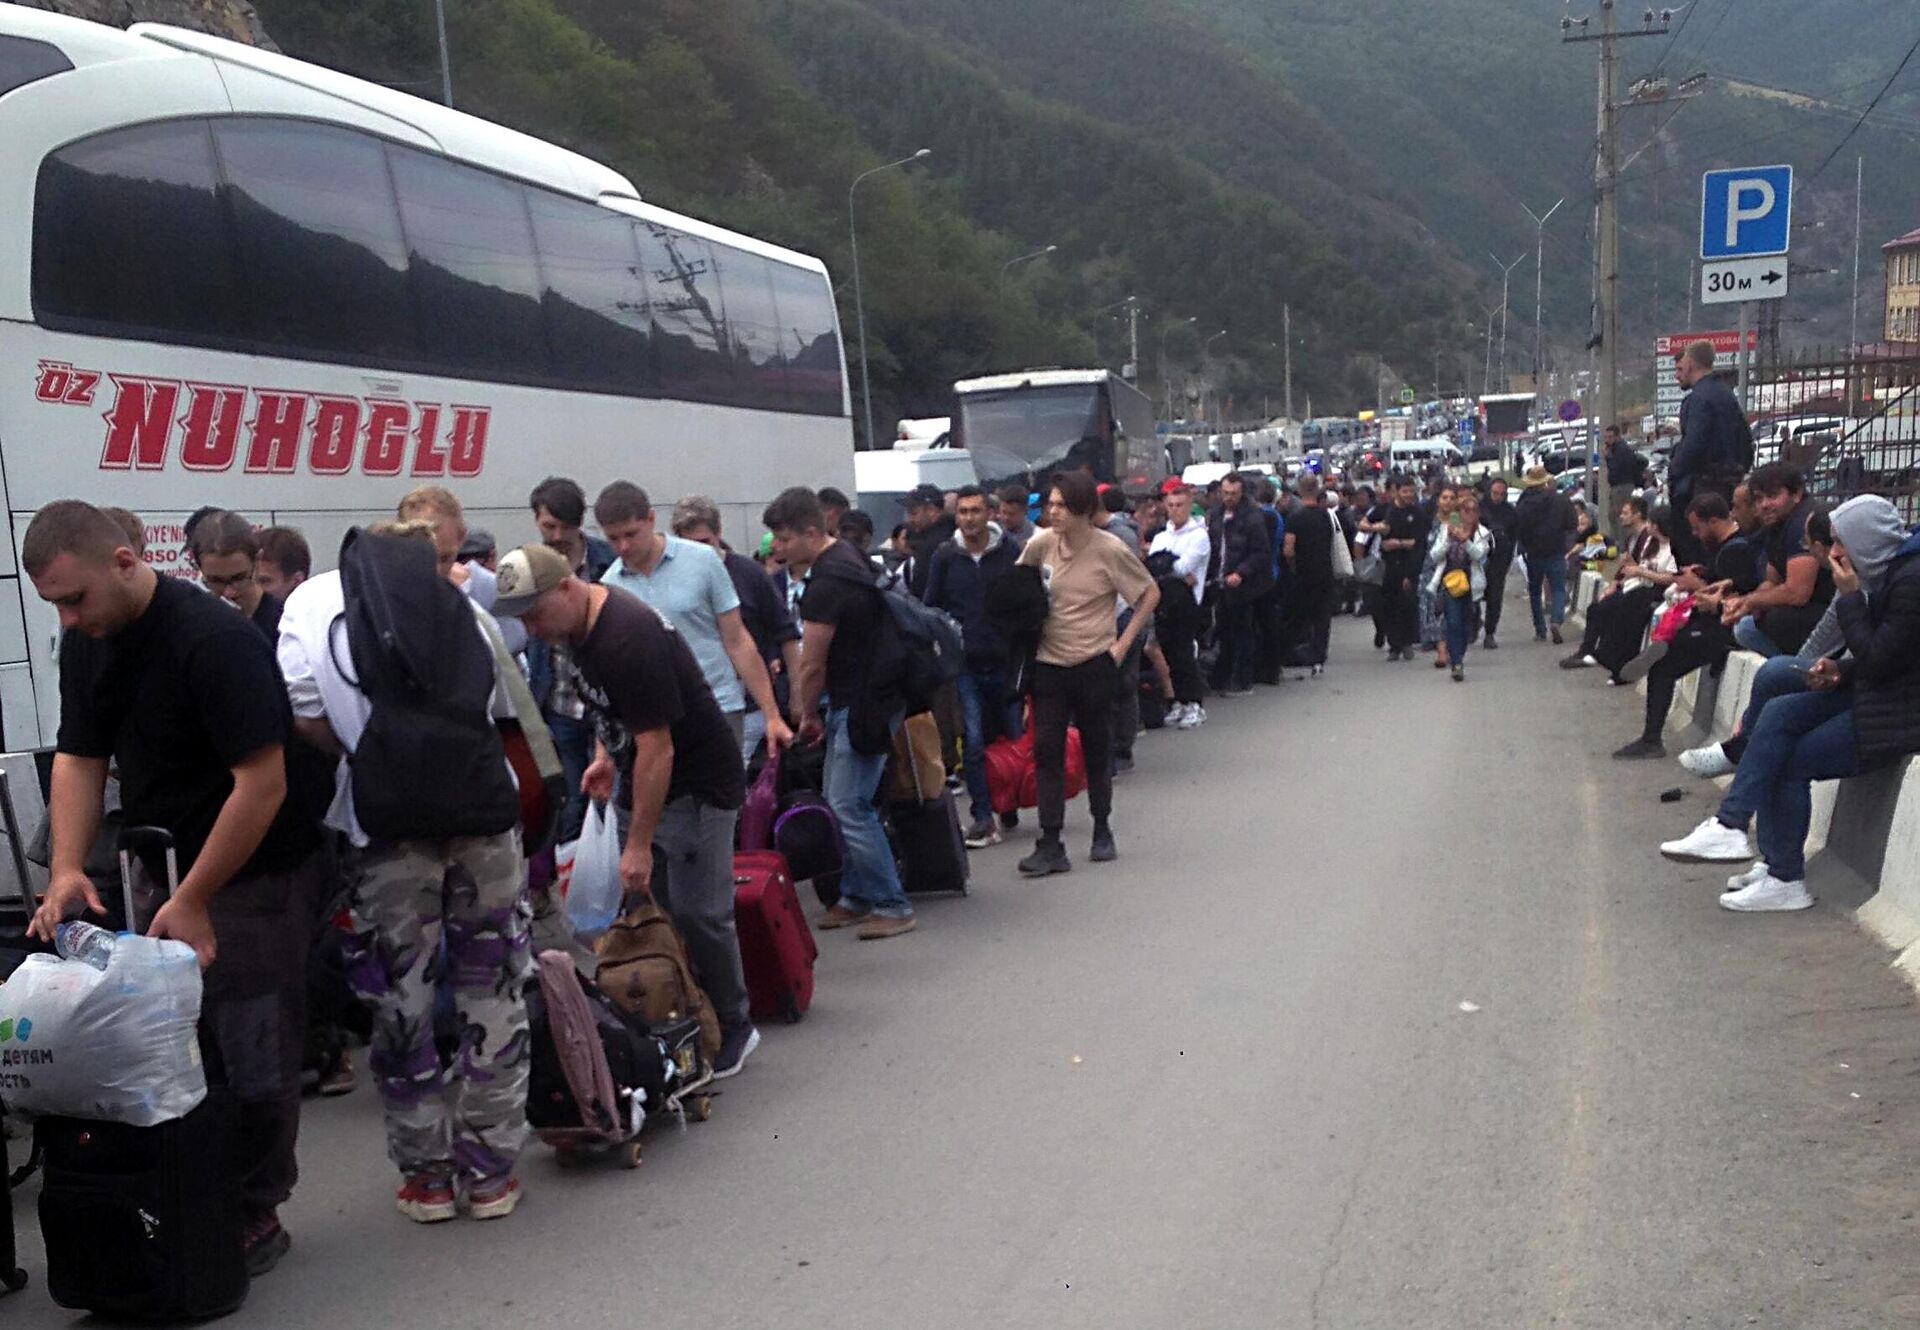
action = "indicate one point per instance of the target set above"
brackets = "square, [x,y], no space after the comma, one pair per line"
[493,1198]
[427,1198]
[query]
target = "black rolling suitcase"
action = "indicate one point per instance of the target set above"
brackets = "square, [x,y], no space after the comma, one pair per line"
[144,1223]
[929,845]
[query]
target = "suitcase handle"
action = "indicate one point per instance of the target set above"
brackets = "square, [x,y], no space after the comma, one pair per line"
[133,840]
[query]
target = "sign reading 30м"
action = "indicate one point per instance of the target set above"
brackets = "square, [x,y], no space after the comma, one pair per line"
[1746,213]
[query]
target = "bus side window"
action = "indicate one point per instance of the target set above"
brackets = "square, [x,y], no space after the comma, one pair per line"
[476,282]
[318,235]
[598,322]
[129,237]
[689,320]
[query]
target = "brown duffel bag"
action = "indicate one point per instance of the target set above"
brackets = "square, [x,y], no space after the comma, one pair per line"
[644,972]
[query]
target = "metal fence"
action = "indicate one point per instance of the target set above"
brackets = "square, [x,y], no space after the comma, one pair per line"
[1849,417]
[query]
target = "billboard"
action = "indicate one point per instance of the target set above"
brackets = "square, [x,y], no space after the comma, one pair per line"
[1667,347]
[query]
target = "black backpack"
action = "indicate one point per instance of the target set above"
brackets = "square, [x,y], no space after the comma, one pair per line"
[430,764]
[917,650]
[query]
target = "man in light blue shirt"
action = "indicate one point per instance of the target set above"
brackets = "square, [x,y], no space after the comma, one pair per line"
[687,585]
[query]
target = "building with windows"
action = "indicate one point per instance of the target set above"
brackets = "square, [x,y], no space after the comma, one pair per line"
[1903,288]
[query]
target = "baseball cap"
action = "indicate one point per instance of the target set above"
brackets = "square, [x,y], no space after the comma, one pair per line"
[525,574]
[926,496]
[1172,484]
[477,545]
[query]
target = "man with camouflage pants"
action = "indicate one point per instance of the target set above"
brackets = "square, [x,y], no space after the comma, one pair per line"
[427,914]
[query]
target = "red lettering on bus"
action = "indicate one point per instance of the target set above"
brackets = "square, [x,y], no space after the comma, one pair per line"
[429,456]
[274,431]
[211,426]
[386,437]
[469,440]
[55,377]
[336,424]
[139,423]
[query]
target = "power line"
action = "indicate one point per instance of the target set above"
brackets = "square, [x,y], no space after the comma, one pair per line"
[1904,60]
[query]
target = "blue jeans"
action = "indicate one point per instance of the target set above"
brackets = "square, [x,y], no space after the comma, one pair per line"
[1553,573]
[871,880]
[1799,740]
[980,690]
[1783,676]
[1458,613]
[573,741]
[1747,633]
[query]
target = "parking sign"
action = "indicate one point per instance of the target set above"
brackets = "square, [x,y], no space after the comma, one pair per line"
[1746,213]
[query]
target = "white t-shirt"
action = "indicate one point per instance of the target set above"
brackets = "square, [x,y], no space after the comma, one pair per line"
[313,644]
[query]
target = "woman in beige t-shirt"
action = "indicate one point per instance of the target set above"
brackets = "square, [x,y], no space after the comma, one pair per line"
[1087,573]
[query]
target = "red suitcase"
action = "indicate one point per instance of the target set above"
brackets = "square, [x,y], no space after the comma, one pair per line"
[776,945]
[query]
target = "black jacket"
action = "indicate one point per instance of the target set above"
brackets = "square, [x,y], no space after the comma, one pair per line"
[1498,519]
[1244,549]
[1711,423]
[923,544]
[957,583]
[1883,664]
[1624,465]
[1543,524]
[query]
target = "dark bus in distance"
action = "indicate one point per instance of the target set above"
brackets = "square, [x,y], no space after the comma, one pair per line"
[1024,426]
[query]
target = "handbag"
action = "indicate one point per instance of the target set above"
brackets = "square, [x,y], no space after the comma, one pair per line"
[1672,619]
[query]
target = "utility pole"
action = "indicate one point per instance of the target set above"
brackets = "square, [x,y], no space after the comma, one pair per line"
[859,298]
[1133,339]
[1607,189]
[1286,335]
[1853,334]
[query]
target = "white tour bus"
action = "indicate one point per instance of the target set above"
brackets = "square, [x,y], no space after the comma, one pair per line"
[228,277]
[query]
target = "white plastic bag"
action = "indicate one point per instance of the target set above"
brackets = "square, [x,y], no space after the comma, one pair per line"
[593,887]
[117,1045]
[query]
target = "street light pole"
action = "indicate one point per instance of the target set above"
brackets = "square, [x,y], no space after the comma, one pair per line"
[1010,264]
[859,299]
[1539,260]
[446,69]
[1506,271]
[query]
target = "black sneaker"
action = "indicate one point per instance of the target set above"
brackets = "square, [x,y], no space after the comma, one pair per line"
[1122,764]
[1641,748]
[1555,633]
[1459,674]
[1577,661]
[1490,644]
[1009,820]
[1049,856]
[982,834]
[735,1044]
[1104,851]
[266,1243]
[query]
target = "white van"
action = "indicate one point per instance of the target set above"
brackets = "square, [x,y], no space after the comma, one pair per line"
[1416,455]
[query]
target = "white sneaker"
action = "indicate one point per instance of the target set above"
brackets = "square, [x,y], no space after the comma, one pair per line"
[1707,761]
[1709,843]
[1748,878]
[1589,660]
[1196,717]
[1769,893]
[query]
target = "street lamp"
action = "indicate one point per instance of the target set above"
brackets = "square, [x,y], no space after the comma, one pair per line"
[1539,257]
[1506,271]
[1037,254]
[859,302]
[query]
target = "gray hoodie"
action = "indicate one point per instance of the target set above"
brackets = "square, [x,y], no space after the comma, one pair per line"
[1869,526]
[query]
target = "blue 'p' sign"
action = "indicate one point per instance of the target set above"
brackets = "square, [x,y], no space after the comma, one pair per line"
[1746,213]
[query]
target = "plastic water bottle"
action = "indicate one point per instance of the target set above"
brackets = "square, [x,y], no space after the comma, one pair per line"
[80,941]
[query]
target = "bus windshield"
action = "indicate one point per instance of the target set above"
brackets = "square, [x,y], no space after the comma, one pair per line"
[1029,431]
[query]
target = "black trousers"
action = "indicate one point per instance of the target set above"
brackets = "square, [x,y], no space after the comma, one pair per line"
[1695,648]
[1079,695]
[1496,591]
[1616,625]
[1269,627]
[1374,596]
[253,1015]
[1310,621]
[1177,625]
[1239,645]
[1402,611]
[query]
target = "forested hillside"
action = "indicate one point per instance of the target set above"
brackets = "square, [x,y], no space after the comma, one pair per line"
[757,114]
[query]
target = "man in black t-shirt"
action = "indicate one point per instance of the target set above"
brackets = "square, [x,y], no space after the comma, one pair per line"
[182,696]
[1796,586]
[841,618]
[665,748]
[1308,549]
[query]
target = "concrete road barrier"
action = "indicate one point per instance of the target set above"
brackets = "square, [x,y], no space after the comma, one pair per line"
[1869,824]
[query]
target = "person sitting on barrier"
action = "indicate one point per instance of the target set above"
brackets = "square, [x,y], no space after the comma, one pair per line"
[1793,596]
[1859,712]
[1784,675]
[1617,621]
[1703,641]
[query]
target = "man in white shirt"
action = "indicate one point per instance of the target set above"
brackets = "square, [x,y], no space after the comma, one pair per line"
[1186,540]
[425,911]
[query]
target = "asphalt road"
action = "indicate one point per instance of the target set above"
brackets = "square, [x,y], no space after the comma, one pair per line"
[1233,1080]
